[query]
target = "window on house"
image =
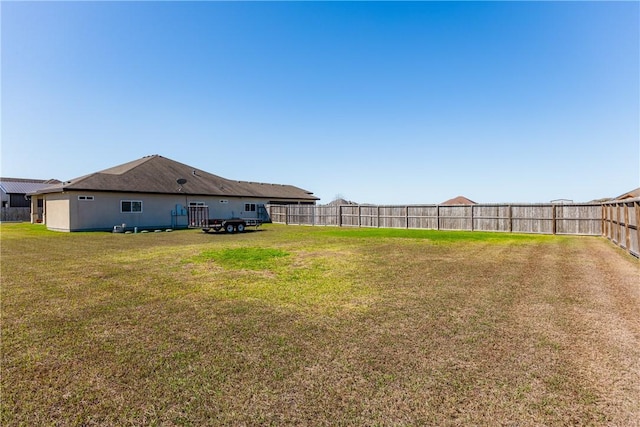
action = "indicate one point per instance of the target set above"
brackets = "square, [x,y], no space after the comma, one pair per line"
[85,197]
[249,207]
[224,201]
[196,204]
[131,206]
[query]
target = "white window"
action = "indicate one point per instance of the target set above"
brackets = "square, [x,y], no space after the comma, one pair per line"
[131,206]
[196,204]
[224,201]
[249,207]
[89,198]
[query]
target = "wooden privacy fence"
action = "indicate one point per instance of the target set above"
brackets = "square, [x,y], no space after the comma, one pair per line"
[585,219]
[15,214]
[617,220]
[620,219]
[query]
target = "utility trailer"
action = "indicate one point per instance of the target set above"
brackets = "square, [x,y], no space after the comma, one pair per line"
[199,218]
[231,225]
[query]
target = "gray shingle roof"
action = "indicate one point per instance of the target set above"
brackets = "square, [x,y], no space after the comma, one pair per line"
[157,174]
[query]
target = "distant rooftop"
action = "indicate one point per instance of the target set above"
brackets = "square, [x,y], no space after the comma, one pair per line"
[25,185]
[630,195]
[460,200]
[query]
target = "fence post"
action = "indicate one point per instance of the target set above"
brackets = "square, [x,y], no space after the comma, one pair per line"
[618,223]
[610,230]
[437,217]
[626,227]
[339,215]
[553,219]
[609,219]
[359,216]
[471,217]
[378,217]
[636,208]
[406,217]
[510,218]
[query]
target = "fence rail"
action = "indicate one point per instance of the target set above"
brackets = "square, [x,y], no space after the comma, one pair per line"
[617,220]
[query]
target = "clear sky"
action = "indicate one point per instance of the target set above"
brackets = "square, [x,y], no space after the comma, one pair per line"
[386,103]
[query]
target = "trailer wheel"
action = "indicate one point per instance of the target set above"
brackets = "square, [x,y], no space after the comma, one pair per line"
[229,228]
[240,228]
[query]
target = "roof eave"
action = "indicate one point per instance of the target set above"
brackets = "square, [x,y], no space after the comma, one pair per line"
[185,193]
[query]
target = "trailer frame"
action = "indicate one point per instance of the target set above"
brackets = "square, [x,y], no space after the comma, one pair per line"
[199,218]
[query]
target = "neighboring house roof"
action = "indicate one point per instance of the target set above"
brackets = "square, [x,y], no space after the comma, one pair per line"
[338,202]
[460,200]
[630,195]
[157,174]
[25,186]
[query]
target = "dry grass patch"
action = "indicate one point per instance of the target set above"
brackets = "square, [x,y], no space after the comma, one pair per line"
[317,326]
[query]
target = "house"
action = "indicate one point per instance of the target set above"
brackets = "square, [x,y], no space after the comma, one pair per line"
[629,195]
[341,201]
[156,192]
[460,200]
[13,194]
[633,194]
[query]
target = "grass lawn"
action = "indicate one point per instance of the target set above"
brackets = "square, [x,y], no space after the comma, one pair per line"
[317,326]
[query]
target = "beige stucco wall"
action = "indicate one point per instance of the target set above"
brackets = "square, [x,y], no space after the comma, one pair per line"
[103,212]
[56,212]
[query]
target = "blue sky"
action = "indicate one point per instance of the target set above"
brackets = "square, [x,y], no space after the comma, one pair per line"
[377,102]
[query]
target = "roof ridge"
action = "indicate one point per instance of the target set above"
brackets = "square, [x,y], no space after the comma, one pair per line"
[78,179]
[127,166]
[81,178]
